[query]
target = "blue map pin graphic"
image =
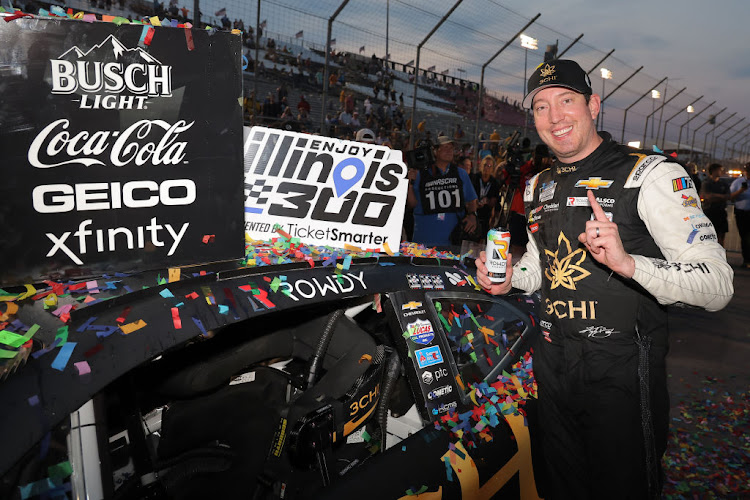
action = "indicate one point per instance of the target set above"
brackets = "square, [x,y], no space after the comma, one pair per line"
[343,185]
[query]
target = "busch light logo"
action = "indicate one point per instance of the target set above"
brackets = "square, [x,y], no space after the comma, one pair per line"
[110,76]
[421,331]
[323,191]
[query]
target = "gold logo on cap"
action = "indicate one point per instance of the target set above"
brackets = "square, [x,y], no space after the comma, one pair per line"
[547,70]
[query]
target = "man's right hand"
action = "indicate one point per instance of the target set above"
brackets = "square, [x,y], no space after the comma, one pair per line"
[484,281]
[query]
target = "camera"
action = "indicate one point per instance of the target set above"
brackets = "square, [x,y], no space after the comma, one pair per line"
[514,159]
[420,157]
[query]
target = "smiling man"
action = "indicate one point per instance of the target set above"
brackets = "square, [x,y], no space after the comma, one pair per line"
[614,236]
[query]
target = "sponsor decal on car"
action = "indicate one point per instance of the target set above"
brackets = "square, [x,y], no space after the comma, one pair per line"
[420,331]
[428,356]
[439,392]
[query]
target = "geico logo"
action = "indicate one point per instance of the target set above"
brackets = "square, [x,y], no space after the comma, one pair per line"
[440,373]
[54,140]
[364,402]
[335,284]
[439,392]
[96,76]
[584,309]
[58,198]
[369,209]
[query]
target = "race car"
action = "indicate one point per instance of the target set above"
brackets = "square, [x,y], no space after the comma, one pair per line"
[381,377]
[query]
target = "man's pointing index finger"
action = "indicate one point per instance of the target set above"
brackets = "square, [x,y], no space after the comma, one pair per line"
[599,214]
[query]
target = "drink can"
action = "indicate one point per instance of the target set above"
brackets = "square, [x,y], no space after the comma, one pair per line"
[498,244]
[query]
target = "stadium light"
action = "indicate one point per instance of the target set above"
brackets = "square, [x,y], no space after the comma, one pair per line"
[690,109]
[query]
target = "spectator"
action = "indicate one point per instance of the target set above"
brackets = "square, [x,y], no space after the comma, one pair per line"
[354,123]
[692,170]
[442,198]
[742,213]
[466,163]
[365,135]
[458,133]
[303,107]
[488,191]
[715,195]
[345,118]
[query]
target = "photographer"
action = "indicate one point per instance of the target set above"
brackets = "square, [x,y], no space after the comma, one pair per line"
[442,198]
[742,212]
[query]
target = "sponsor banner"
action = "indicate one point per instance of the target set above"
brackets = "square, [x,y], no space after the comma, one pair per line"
[323,191]
[117,157]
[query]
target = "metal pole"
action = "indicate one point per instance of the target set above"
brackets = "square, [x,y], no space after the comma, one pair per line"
[387,29]
[616,89]
[716,137]
[525,111]
[664,138]
[559,56]
[601,111]
[197,14]
[481,80]
[323,129]
[661,114]
[692,144]
[254,102]
[713,130]
[416,72]
[654,112]
[625,117]
[679,138]
[597,64]
[726,143]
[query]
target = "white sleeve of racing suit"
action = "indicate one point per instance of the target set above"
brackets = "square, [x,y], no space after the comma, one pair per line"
[695,271]
[527,272]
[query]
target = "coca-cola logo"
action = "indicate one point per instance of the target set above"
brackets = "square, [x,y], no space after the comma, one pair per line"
[145,141]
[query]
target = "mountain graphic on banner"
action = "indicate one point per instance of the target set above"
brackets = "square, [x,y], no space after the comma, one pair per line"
[111,49]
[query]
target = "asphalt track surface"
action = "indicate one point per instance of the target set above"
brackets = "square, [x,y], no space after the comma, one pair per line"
[709,381]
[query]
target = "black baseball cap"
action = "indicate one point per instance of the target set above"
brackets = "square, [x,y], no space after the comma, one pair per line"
[557,73]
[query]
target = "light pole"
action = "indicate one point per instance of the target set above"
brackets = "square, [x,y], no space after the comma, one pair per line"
[655,94]
[689,109]
[606,75]
[527,43]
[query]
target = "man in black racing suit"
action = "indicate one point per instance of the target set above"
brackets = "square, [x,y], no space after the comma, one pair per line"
[614,236]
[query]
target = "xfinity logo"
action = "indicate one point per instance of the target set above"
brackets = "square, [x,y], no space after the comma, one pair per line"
[107,70]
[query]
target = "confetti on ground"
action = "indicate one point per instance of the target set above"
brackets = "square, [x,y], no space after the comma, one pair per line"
[708,452]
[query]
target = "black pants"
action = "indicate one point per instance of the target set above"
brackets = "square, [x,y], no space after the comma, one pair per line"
[742,217]
[589,427]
